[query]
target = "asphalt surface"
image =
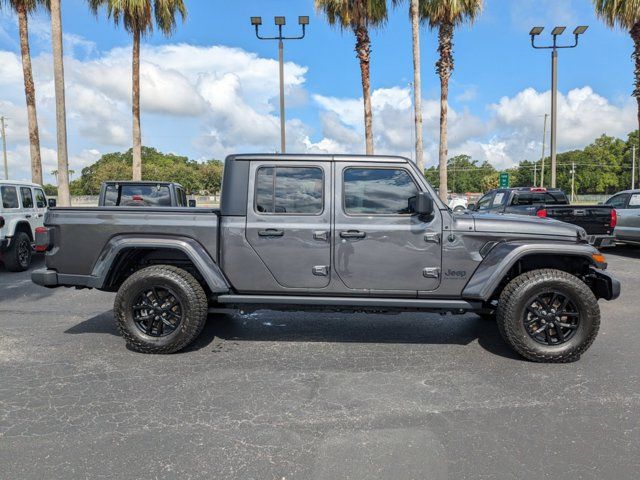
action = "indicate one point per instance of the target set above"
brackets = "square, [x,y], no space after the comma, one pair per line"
[311,396]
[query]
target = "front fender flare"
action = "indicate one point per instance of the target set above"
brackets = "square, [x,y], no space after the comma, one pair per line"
[203,262]
[503,256]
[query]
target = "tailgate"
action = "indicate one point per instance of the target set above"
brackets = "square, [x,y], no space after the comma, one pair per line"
[595,219]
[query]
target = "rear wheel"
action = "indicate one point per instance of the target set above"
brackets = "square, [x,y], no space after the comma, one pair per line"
[548,316]
[17,258]
[160,309]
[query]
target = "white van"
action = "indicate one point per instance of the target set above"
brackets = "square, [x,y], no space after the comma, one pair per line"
[22,209]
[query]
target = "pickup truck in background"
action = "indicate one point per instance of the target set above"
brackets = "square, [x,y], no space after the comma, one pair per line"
[330,232]
[597,220]
[627,206]
[143,194]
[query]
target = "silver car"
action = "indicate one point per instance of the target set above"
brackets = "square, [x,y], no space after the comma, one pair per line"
[627,205]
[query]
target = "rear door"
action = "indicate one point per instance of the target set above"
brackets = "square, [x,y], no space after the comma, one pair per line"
[380,243]
[628,209]
[29,208]
[289,220]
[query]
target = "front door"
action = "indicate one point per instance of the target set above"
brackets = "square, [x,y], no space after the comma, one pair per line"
[289,221]
[380,243]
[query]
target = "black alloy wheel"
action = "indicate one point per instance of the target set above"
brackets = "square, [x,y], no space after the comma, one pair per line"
[157,312]
[551,318]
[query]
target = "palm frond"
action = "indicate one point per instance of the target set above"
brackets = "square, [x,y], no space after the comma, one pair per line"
[452,12]
[618,13]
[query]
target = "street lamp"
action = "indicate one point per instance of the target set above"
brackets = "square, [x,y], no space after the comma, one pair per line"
[280,22]
[536,31]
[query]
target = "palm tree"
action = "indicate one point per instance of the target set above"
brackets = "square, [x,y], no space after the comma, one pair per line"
[358,16]
[624,14]
[445,15]
[414,13]
[23,9]
[64,195]
[137,18]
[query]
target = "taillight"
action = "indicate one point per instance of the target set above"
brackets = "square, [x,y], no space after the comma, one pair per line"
[614,218]
[542,213]
[43,239]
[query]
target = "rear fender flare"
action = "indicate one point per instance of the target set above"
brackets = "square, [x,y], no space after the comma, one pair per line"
[203,262]
[503,256]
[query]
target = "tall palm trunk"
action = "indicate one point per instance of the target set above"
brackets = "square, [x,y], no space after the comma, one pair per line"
[30,94]
[444,66]
[635,35]
[363,52]
[417,82]
[135,108]
[64,197]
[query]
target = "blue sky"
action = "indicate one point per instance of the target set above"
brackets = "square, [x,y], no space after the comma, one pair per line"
[211,88]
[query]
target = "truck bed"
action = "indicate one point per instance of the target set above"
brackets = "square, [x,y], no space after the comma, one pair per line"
[85,231]
[595,219]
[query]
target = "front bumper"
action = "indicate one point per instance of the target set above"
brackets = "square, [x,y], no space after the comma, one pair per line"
[605,285]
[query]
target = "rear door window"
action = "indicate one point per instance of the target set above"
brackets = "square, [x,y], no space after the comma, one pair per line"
[9,197]
[27,197]
[289,190]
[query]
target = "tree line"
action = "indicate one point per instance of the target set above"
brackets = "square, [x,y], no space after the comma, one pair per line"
[202,178]
[602,167]
[140,17]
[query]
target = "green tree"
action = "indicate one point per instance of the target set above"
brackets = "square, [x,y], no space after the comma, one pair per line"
[358,16]
[24,8]
[445,15]
[624,14]
[137,18]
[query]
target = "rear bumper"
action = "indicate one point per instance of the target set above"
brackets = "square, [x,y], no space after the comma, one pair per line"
[600,241]
[605,285]
[45,277]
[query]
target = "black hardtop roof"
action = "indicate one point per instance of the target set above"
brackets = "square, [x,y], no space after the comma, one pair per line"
[140,182]
[312,157]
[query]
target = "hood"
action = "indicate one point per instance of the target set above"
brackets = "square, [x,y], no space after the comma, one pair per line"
[522,224]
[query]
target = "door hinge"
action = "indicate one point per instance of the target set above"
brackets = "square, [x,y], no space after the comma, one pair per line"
[432,237]
[321,270]
[431,272]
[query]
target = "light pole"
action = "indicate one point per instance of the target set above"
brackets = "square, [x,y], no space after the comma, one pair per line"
[544,141]
[280,22]
[4,148]
[535,31]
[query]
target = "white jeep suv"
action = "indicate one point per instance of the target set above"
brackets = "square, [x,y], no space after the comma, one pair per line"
[22,209]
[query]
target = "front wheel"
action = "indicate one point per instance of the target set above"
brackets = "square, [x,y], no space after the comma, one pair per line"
[548,316]
[160,309]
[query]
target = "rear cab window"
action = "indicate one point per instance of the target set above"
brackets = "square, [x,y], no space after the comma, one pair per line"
[137,196]
[9,197]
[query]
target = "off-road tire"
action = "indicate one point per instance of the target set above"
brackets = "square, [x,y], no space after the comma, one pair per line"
[14,261]
[514,299]
[186,288]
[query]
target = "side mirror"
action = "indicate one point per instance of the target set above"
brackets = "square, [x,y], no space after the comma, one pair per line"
[192,203]
[424,204]
[52,202]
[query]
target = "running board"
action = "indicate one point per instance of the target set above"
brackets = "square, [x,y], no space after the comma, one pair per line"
[371,302]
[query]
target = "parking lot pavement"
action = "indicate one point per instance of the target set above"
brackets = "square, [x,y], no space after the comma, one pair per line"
[326,396]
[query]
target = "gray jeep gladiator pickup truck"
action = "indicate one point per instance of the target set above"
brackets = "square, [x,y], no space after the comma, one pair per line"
[325,232]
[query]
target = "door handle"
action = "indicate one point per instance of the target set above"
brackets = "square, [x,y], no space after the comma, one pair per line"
[353,234]
[271,232]
[27,216]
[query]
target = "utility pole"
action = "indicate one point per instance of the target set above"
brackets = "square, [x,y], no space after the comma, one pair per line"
[535,31]
[280,22]
[4,148]
[535,173]
[573,182]
[544,140]
[633,167]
